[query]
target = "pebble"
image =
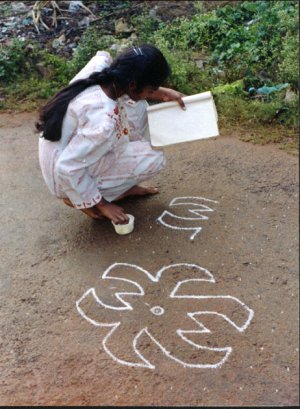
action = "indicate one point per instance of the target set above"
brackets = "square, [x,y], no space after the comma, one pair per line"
[74,6]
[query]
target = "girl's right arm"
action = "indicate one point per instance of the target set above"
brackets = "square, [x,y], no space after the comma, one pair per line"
[112,211]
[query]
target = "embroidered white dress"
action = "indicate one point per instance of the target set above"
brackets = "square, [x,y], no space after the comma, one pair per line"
[104,149]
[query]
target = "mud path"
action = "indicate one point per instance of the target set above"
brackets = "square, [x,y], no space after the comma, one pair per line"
[246,256]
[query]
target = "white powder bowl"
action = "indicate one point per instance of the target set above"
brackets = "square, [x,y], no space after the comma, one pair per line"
[125,228]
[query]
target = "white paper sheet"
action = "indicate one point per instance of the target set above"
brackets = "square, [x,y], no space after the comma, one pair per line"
[170,124]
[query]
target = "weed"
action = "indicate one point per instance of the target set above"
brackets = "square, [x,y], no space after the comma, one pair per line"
[92,40]
[235,109]
[12,61]
[241,45]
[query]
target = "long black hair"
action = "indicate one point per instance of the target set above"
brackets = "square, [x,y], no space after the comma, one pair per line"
[144,65]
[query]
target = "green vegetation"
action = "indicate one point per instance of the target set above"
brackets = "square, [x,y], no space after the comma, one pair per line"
[12,60]
[232,50]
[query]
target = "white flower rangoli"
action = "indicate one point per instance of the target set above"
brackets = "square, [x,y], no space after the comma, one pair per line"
[172,221]
[162,311]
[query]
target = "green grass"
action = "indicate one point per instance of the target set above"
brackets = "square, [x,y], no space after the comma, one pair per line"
[234,52]
[286,139]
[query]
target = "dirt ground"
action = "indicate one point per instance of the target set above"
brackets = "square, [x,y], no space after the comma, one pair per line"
[51,255]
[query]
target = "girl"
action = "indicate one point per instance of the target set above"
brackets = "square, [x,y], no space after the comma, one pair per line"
[94,148]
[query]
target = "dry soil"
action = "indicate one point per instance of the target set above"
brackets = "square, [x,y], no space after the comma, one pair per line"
[51,254]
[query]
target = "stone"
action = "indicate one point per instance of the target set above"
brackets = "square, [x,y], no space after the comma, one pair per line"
[10,23]
[57,42]
[290,96]
[62,38]
[199,59]
[45,72]
[85,22]
[74,6]
[199,63]
[27,22]
[121,26]
[120,46]
[18,6]
[30,47]
[133,37]
[153,13]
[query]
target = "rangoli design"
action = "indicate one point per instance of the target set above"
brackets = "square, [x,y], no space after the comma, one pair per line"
[195,207]
[165,311]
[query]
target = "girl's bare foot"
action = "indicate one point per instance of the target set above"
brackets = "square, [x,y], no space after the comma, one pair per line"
[92,212]
[139,191]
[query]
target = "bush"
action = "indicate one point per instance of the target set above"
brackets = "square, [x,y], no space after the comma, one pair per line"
[238,110]
[184,72]
[145,26]
[242,45]
[251,40]
[289,55]
[60,70]
[12,61]
[92,41]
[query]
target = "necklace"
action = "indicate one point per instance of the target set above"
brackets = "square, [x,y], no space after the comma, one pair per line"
[115,90]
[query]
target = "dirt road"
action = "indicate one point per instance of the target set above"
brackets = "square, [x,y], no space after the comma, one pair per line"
[237,280]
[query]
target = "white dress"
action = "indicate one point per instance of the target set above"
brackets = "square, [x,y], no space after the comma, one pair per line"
[104,149]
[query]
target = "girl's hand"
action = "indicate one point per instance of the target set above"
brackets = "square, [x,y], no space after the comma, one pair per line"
[112,212]
[168,94]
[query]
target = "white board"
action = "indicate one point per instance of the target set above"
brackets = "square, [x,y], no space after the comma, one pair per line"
[170,124]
